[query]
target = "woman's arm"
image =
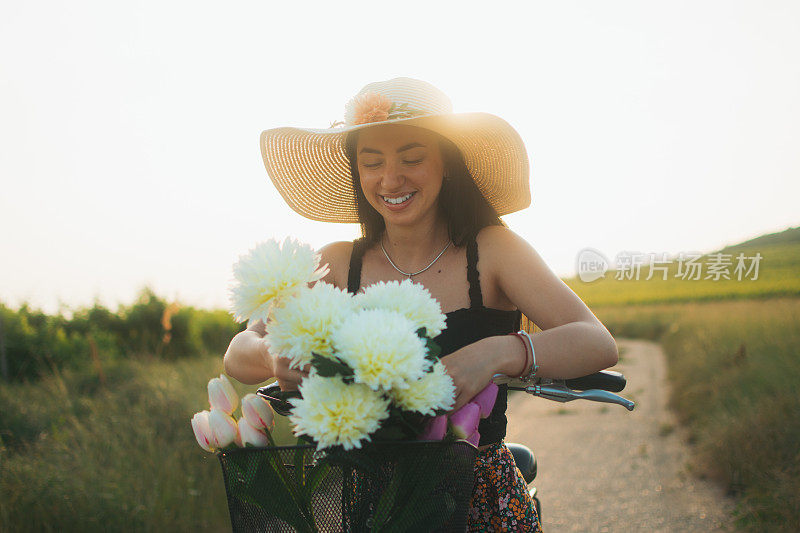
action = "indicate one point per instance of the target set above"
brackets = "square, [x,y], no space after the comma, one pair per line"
[248,359]
[573,342]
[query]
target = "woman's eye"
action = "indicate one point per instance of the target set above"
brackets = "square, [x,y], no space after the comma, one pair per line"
[371,165]
[415,162]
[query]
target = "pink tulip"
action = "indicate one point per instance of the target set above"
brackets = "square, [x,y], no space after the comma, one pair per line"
[435,429]
[486,398]
[251,435]
[202,430]
[222,395]
[223,428]
[258,412]
[464,422]
[238,439]
[474,439]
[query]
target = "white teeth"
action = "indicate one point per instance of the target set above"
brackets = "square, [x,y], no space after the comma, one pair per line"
[399,200]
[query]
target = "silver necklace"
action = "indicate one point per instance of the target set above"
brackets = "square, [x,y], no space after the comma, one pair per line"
[409,274]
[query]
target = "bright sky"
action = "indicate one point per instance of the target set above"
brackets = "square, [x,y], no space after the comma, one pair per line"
[129,130]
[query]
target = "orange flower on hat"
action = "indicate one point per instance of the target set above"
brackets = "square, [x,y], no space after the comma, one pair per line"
[368,107]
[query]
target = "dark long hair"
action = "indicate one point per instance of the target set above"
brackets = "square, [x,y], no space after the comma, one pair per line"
[465,209]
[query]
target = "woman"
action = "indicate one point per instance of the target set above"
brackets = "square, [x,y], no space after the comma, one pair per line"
[427,187]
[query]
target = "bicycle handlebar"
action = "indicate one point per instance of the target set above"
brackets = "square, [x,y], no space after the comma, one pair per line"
[605,379]
[597,387]
[594,387]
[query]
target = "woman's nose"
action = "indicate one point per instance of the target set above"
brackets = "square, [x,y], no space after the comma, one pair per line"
[392,176]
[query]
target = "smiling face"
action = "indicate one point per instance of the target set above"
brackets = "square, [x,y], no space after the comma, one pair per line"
[400,169]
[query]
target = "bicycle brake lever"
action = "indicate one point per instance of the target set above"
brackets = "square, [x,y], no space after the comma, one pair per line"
[560,393]
[514,383]
[557,391]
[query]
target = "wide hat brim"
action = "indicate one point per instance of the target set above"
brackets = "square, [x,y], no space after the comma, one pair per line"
[309,167]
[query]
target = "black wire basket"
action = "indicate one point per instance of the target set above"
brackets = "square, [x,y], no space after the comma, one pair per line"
[384,486]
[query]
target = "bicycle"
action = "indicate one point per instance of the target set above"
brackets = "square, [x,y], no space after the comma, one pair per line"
[597,387]
[389,486]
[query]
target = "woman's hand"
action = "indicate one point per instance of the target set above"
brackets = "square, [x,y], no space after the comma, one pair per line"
[287,378]
[470,372]
[473,366]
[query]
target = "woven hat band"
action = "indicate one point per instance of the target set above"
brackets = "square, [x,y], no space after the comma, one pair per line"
[396,99]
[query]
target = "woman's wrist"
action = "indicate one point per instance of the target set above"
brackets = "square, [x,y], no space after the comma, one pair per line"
[511,357]
[531,368]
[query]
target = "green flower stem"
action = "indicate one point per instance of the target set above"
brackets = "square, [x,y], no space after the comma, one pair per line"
[296,495]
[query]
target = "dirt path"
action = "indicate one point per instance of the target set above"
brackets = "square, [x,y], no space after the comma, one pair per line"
[603,468]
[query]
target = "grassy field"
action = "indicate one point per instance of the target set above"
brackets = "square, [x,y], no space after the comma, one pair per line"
[734,367]
[76,455]
[777,276]
[79,457]
[733,354]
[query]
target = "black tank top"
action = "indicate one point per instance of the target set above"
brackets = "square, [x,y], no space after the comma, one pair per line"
[464,326]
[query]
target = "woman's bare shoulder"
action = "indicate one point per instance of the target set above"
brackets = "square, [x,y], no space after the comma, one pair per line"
[502,252]
[521,273]
[498,241]
[497,246]
[337,256]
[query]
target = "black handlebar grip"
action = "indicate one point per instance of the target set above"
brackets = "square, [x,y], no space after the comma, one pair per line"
[278,398]
[604,380]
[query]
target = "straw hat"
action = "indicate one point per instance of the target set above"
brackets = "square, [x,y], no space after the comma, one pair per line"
[310,169]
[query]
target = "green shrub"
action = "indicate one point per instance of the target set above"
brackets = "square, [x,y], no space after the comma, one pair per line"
[37,343]
[216,328]
[143,332]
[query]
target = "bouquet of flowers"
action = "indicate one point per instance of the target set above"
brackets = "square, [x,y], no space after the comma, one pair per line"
[375,377]
[375,370]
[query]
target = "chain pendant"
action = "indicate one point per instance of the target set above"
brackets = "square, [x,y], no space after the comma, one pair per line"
[409,274]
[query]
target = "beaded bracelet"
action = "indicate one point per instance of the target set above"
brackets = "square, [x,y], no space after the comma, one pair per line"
[530,356]
[527,352]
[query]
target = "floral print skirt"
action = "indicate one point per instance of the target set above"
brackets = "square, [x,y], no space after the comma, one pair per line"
[500,499]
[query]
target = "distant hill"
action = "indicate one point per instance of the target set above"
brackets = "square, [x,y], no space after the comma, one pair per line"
[778,275]
[787,236]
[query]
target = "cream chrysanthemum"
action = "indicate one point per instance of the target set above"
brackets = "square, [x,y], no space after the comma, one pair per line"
[305,323]
[382,348]
[410,299]
[334,413]
[268,274]
[433,392]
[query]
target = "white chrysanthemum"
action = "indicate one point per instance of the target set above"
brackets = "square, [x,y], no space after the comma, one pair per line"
[407,298]
[434,391]
[305,323]
[269,273]
[382,348]
[334,413]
